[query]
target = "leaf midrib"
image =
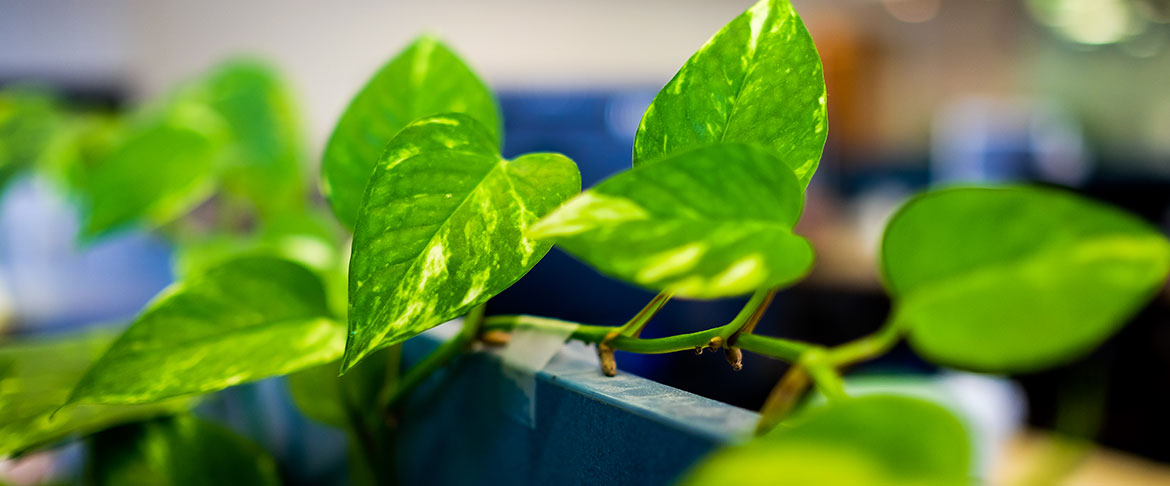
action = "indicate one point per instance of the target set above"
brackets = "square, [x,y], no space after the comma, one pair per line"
[76,398]
[242,330]
[752,65]
[381,334]
[1007,264]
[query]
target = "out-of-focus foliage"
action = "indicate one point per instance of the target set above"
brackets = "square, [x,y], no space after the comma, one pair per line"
[233,132]
[156,172]
[28,121]
[705,223]
[868,440]
[441,228]
[37,376]
[246,319]
[262,159]
[425,79]
[1018,278]
[358,395]
[177,451]
[309,237]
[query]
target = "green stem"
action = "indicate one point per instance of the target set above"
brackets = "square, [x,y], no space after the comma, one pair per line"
[783,398]
[473,322]
[751,311]
[634,326]
[867,347]
[824,374]
[749,325]
[783,349]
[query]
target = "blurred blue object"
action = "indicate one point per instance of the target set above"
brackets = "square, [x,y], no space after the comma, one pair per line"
[980,139]
[55,284]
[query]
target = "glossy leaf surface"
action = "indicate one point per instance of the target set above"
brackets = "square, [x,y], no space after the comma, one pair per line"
[442,228]
[425,79]
[178,451]
[868,440]
[36,377]
[706,223]
[1018,278]
[758,80]
[247,319]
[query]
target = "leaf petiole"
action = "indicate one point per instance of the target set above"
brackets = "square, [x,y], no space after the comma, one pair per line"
[783,349]
[867,347]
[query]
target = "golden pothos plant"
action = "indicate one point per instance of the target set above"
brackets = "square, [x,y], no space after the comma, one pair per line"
[988,279]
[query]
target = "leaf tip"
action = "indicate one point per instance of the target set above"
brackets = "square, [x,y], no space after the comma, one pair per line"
[351,357]
[428,40]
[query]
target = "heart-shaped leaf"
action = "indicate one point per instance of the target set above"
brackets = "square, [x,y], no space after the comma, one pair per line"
[178,451]
[247,319]
[36,377]
[1019,278]
[442,226]
[872,439]
[706,223]
[758,80]
[425,79]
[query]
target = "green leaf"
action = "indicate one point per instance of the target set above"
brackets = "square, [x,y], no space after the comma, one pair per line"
[307,237]
[159,171]
[178,451]
[706,223]
[873,439]
[425,79]
[28,121]
[1018,278]
[36,377]
[441,228]
[262,160]
[758,80]
[78,144]
[245,320]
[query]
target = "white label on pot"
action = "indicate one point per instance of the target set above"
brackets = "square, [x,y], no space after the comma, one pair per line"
[532,346]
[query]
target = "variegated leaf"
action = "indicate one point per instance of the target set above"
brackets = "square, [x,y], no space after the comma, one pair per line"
[247,319]
[705,223]
[36,376]
[441,228]
[758,80]
[425,79]
[177,451]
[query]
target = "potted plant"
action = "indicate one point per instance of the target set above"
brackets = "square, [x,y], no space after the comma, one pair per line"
[987,279]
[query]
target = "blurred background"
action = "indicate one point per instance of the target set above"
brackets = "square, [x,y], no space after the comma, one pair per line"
[921,92]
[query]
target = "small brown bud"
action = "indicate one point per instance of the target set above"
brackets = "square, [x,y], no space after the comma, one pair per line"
[734,356]
[608,363]
[715,342]
[495,338]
